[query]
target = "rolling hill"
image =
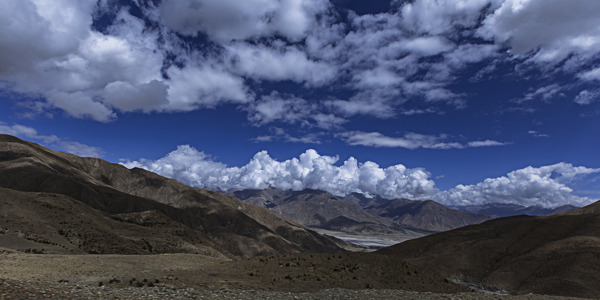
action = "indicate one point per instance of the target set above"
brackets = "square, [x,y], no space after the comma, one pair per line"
[556,254]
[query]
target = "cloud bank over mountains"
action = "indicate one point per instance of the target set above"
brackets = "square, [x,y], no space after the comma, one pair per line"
[184,55]
[309,171]
[547,186]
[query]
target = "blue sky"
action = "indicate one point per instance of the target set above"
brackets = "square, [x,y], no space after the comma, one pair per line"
[460,101]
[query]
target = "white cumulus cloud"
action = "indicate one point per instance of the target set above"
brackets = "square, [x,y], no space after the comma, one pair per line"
[557,28]
[47,49]
[310,170]
[226,20]
[545,186]
[184,55]
[443,16]
[277,62]
[291,110]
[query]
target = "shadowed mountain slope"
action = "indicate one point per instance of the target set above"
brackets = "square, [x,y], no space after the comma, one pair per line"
[555,254]
[318,209]
[426,215]
[60,224]
[241,229]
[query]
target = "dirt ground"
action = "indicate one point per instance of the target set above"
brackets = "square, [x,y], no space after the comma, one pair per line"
[189,276]
[291,273]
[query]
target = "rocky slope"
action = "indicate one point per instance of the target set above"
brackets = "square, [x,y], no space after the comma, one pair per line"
[239,228]
[555,254]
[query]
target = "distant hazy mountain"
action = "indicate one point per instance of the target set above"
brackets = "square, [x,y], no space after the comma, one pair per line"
[506,210]
[427,215]
[556,254]
[317,209]
[362,201]
[357,213]
[132,211]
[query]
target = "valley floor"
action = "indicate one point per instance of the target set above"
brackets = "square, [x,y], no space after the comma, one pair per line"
[371,242]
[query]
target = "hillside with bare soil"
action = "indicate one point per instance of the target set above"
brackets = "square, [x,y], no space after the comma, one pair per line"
[556,254]
[238,228]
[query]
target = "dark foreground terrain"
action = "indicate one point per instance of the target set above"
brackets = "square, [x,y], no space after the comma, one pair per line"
[283,272]
[12,289]
[189,276]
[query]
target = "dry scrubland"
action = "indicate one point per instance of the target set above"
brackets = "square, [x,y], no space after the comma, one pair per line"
[188,276]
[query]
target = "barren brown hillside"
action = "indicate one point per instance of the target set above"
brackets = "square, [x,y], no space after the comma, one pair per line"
[239,228]
[555,254]
[49,223]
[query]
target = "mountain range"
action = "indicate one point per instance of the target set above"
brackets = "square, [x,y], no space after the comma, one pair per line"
[426,215]
[90,205]
[356,213]
[315,208]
